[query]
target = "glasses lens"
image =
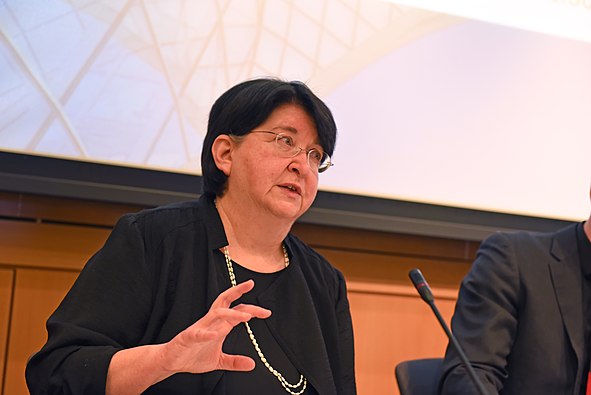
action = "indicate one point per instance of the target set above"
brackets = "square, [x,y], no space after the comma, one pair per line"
[317,160]
[323,164]
[286,144]
[314,158]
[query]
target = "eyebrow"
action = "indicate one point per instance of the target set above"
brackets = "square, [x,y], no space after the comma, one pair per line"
[286,129]
[316,145]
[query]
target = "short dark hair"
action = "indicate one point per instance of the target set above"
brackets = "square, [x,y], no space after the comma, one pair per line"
[247,105]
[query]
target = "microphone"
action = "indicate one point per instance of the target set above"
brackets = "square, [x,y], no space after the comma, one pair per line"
[424,290]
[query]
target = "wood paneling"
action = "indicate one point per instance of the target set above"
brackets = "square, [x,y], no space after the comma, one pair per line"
[387,258]
[6,279]
[26,243]
[393,269]
[390,327]
[54,209]
[9,204]
[348,239]
[37,294]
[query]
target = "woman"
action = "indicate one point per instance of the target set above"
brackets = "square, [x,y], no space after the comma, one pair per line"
[168,305]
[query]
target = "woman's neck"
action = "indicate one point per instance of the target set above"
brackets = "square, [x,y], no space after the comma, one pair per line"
[254,239]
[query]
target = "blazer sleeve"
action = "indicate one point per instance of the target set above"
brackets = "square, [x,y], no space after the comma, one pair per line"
[105,311]
[485,319]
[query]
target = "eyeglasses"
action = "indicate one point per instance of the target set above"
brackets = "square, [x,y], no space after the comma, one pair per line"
[317,160]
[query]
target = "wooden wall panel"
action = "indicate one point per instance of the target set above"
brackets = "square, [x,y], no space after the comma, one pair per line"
[26,243]
[392,325]
[393,269]
[37,294]
[55,209]
[6,283]
[321,236]
[9,204]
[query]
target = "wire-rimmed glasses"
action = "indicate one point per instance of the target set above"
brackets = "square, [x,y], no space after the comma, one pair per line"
[317,160]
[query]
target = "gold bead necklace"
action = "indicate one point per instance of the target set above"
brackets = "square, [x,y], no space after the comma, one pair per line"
[290,388]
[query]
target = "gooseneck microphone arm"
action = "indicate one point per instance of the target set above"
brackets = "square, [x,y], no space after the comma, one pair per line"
[425,291]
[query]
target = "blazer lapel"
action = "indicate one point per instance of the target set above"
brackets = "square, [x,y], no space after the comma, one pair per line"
[566,277]
[294,323]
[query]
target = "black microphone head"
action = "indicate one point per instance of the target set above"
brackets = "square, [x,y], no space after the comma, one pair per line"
[416,276]
[421,285]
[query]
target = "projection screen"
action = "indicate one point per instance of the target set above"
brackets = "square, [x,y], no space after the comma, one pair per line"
[478,105]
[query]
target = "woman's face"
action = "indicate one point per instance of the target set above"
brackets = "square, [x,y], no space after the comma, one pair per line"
[263,177]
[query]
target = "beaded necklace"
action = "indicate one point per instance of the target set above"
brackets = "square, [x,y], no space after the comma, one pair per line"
[290,388]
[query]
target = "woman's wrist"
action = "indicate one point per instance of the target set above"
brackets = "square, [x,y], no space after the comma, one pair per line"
[134,370]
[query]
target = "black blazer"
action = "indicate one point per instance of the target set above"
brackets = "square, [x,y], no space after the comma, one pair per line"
[519,317]
[156,275]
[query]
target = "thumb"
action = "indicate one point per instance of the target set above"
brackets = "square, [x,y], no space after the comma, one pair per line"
[239,363]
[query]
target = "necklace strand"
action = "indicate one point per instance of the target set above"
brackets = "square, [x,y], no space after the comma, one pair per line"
[290,388]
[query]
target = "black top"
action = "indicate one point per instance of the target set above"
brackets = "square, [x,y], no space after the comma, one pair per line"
[260,380]
[156,275]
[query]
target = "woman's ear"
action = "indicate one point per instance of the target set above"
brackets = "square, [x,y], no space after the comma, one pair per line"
[221,151]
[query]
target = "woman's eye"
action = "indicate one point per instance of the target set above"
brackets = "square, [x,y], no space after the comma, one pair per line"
[316,156]
[286,140]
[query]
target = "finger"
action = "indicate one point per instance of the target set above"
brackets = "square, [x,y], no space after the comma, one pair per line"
[238,363]
[224,319]
[253,310]
[221,321]
[226,298]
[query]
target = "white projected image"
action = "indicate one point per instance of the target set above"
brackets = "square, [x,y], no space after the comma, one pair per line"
[431,106]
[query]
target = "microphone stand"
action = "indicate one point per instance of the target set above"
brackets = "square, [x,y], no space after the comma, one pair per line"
[425,291]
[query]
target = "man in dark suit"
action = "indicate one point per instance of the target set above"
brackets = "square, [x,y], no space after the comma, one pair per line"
[523,315]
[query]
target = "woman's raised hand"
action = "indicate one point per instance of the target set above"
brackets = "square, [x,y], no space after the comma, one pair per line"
[198,348]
